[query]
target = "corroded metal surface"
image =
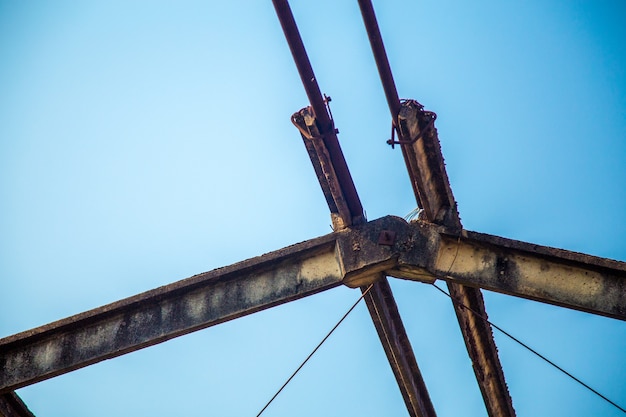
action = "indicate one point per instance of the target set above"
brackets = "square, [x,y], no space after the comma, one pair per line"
[469,307]
[169,311]
[323,121]
[431,187]
[384,311]
[355,256]
[425,164]
[338,202]
[555,276]
[424,161]
[433,193]
[320,137]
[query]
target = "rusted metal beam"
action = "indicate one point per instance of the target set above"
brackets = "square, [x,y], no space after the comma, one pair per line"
[320,138]
[426,169]
[11,405]
[352,257]
[423,158]
[371,249]
[355,257]
[555,276]
[324,125]
[420,144]
[338,202]
[379,299]
[422,155]
[384,311]
[482,349]
[423,251]
[170,311]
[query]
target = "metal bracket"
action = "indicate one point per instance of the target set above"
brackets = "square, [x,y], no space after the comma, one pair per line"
[409,118]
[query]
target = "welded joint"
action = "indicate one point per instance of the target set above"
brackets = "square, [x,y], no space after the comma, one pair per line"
[386,245]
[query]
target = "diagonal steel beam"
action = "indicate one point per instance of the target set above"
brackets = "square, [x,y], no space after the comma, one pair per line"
[320,138]
[324,128]
[422,154]
[384,312]
[439,206]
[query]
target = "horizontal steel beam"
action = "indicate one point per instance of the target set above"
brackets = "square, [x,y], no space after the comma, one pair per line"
[351,256]
[169,311]
[354,257]
[555,276]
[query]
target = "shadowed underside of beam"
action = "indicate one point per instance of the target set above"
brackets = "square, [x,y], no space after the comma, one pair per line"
[382,307]
[11,405]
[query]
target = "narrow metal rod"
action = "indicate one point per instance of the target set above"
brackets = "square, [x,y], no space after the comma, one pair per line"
[427,162]
[380,55]
[389,85]
[325,125]
[300,57]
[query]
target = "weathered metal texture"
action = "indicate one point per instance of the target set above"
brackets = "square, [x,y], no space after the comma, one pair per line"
[431,187]
[332,188]
[355,257]
[203,300]
[482,349]
[362,255]
[536,272]
[555,276]
[319,134]
[422,251]
[170,311]
[426,165]
[12,406]
[323,121]
[423,158]
[427,170]
[386,318]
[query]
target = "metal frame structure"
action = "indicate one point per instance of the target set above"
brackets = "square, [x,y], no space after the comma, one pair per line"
[357,254]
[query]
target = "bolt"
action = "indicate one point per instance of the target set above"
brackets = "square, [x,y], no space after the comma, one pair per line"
[387,238]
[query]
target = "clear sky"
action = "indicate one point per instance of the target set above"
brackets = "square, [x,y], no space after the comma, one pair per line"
[144,142]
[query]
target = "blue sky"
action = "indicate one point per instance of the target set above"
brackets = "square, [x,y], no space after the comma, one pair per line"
[144,142]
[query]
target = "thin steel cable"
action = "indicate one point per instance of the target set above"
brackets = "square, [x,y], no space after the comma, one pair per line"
[315,350]
[460,304]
